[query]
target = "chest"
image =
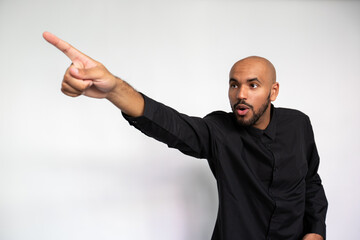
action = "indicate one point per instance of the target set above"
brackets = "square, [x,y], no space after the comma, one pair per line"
[277,164]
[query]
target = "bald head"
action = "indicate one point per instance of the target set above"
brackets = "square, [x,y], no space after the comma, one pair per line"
[258,66]
[252,88]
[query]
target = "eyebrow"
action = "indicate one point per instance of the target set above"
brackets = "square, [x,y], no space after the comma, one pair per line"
[249,80]
[253,80]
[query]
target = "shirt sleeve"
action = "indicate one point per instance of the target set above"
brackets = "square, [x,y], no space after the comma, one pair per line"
[316,202]
[188,134]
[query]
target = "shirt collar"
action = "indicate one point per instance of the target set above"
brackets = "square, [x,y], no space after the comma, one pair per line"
[270,130]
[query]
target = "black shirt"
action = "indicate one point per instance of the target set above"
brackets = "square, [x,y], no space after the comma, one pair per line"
[267,180]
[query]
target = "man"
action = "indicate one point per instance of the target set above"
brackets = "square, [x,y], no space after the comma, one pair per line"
[263,158]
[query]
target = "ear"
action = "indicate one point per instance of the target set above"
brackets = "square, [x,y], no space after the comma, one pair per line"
[274,91]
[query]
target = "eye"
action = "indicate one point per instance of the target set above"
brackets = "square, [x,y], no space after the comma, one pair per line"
[254,85]
[233,85]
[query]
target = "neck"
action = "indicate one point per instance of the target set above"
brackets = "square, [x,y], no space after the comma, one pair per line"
[264,120]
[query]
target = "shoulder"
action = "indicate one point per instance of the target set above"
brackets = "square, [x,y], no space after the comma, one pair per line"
[220,118]
[219,115]
[290,113]
[291,116]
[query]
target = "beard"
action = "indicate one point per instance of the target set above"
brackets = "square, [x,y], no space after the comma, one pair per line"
[256,115]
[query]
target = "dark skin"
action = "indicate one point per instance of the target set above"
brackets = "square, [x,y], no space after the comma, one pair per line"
[252,81]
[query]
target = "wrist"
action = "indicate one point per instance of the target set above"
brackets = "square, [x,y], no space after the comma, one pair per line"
[115,92]
[126,98]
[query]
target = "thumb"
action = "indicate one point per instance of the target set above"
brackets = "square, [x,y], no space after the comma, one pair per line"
[86,73]
[75,72]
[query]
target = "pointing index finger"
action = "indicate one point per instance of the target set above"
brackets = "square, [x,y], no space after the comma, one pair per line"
[66,48]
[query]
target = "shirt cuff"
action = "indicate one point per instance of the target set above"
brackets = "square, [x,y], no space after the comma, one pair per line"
[150,107]
[318,228]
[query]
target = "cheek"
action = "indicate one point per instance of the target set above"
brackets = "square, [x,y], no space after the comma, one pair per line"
[231,95]
[232,99]
[258,100]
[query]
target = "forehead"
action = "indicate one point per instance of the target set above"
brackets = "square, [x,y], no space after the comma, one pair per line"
[248,69]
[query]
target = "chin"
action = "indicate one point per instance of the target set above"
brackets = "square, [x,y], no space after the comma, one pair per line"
[244,122]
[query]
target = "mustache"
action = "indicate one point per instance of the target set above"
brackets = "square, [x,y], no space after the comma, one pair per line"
[242,101]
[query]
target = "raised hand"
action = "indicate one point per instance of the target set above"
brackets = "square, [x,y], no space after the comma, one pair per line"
[85,75]
[90,78]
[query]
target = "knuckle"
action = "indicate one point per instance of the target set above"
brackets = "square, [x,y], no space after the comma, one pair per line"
[70,94]
[63,85]
[82,88]
[63,90]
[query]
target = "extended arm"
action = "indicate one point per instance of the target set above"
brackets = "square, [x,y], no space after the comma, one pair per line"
[88,77]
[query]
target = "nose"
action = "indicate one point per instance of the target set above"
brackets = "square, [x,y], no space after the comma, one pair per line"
[242,93]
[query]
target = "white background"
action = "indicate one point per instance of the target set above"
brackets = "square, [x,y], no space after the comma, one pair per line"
[72,168]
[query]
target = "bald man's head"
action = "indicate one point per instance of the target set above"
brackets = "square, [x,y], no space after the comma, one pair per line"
[252,87]
[259,64]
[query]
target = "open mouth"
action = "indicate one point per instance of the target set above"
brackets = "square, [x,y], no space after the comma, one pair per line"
[242,109]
